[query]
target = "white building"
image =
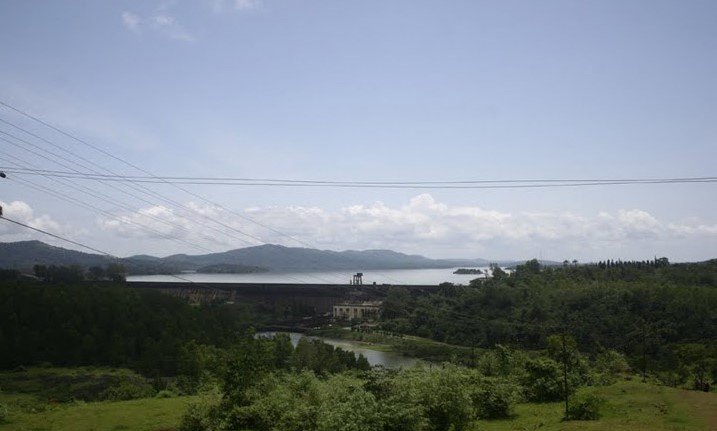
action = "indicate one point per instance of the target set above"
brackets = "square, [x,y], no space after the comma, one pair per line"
[357,310]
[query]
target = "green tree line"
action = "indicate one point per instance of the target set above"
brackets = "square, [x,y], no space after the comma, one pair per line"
[84,324]
[660,315]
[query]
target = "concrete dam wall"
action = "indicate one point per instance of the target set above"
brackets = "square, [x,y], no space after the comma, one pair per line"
[307,299]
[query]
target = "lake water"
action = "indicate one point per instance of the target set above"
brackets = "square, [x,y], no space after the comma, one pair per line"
[432,276]
[374,357]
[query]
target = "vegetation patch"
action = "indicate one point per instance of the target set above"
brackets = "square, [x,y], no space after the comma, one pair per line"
[59,385]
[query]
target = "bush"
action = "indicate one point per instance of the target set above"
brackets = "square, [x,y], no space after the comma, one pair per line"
[543,380]
[128,390]
[495,399]
[444,395]
[3,413]
[201,415]
[165,393]
[585,407]
[611,362]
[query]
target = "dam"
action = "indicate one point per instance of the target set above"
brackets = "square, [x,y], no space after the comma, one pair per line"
[305,299]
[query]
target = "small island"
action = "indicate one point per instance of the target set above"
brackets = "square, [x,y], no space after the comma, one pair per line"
[228,268]
[468,271]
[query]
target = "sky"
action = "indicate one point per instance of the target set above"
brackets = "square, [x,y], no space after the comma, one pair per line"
[367,91]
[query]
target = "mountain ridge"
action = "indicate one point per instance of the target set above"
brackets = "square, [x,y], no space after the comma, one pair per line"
[24,254]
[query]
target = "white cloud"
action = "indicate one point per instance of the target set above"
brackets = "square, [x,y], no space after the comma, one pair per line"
[161,222]
[219,6]
[246,4]
[168,26]
[426,226]
[22,212]
[161,23]
[131,22]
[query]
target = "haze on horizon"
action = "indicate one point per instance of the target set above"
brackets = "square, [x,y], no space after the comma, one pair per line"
[366,91]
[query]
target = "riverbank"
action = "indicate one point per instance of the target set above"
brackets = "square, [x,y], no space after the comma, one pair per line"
[406,345]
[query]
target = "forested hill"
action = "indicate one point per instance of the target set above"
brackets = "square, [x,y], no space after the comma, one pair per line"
[656,310]
[23,255]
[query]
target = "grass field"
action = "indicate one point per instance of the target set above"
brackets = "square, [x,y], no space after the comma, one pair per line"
[61,384]
[631,405]
[147,414]
[84,399]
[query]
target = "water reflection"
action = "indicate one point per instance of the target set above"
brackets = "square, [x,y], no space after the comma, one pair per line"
[374,357]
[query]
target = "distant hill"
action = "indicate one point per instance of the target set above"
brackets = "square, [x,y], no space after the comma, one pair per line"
[278,257]
[24,254]
[228,268]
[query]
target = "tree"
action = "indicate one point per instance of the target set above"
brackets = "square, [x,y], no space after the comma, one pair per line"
[497,272]
[543,380]
[530,267]
[396,303]
[40,271]
[282,350]
[116,272]
[96,273]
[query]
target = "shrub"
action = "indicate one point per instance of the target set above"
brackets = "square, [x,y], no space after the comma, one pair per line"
[542,381]
[495,399]
[201,415]
[3,413]
[585,407]
[444,395]
[127,390]
[611,362]
[165,393]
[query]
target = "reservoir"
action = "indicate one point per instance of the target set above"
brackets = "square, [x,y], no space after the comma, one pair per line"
[430,276]
[374,357]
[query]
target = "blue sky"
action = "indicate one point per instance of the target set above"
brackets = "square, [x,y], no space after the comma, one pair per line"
[395,90]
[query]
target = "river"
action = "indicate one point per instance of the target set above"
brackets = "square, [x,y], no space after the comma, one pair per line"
[431,276]
[374,357]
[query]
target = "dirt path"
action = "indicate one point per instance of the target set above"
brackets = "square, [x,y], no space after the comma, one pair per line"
[705,404]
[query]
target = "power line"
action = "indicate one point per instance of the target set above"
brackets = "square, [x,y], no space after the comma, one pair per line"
[114,203]
[79,244]
[96,148]
[77,202]
[142,170]
[349,182]
[129,184]
[484,184]
[174,181]
[132,184]
[66,198]
[58,237]
[133,195]
[91,207]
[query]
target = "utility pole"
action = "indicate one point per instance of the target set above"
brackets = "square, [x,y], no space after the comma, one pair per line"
[2,175]
[644,353]
[565,373]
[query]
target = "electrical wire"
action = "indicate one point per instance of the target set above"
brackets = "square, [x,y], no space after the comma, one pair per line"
[487,184]
[144,189]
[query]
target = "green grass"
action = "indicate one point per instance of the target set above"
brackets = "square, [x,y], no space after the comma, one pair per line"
[51,399]
[58,384]
[147,414]
[631,406]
